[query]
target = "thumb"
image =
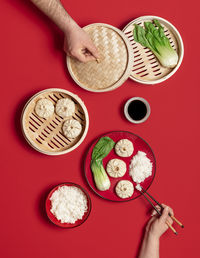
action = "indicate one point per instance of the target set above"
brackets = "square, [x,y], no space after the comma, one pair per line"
[80,57]
[164,215]
[93,50]
[84,58]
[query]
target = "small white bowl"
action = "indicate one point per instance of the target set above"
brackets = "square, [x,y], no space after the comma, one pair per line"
[127,114]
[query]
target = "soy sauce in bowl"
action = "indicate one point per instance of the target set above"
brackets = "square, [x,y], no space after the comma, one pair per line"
[137,110]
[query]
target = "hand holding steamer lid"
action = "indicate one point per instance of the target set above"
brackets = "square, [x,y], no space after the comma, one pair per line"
[114,65]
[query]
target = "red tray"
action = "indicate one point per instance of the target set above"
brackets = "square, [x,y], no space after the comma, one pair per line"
[139,145]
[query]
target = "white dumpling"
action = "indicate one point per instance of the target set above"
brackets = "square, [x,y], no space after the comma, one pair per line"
[44,108]
[65,107]
[116,168]
[124,148]
[71,128]
[124,189]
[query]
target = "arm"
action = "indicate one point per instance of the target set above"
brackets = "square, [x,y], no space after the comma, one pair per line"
[150,247]
[155,228]
[76,43]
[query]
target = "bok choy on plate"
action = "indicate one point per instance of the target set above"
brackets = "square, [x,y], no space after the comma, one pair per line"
[100,151]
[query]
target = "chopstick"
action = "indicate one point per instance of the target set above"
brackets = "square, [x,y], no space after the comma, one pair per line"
[159,213]
[169,225]
[177,221]
[160,205]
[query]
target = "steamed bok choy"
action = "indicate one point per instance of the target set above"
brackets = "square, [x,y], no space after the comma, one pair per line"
[153,37]
[100,151]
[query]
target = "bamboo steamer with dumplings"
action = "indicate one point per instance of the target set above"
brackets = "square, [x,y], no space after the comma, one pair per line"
[46,134]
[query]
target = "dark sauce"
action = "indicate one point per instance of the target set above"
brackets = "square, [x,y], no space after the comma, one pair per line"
[137,110]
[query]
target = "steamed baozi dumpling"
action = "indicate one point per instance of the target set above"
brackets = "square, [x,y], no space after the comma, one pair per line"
[124,148]
[44,108]
[116,168]
[71,128]
[124,189]
[65,107]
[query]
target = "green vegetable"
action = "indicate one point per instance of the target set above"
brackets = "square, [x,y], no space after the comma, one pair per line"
[100,151]
[100,177]
[102,148]
[154,38]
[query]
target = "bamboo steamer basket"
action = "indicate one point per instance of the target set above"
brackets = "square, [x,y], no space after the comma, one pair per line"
[45,135]
[146,68]
[114,65]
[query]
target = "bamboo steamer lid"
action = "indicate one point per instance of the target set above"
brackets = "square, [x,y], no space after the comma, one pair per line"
[146,68]
[115,63]
[45,135]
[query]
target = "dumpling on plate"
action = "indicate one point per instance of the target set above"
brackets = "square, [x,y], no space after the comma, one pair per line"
[116,168]
[124,189]
[124,148]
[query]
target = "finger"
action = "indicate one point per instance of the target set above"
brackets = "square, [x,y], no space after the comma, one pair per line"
[164,215]
[71,53]
[89,58]
[68,53]
[88,55]
[81,57]
[93,50]
[170,221]
[170,209]
[84,58]
[154,212]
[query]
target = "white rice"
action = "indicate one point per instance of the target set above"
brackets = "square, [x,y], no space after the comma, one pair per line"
[140,167]
[68,204]
[138,187]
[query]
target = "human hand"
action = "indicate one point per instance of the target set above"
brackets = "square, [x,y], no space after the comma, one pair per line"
[157,226]
[78,44]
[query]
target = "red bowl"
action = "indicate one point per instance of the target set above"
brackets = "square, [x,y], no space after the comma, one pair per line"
[58,222]
[139,145]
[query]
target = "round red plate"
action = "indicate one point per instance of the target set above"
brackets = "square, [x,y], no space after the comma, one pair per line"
[139,145]
[54,219]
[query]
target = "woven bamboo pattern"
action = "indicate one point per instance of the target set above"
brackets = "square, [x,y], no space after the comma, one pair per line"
[146,68]
[113,66]
[45,135]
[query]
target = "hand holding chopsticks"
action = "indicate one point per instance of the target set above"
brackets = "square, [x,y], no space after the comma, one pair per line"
[160,211]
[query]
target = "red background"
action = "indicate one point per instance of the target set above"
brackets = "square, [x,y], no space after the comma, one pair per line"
[31,60]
